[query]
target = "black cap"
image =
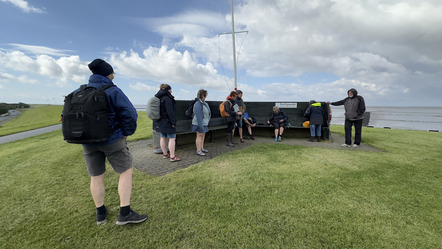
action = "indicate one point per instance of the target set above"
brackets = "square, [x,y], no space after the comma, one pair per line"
[99,66]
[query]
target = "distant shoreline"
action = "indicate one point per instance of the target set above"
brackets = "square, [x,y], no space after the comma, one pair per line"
[402,118]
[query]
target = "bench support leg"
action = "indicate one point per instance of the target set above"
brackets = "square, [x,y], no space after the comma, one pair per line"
[211,136]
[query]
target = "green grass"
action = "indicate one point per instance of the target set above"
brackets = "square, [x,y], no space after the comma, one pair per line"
[144,128]
[46,115]
[37,116]
[264,196]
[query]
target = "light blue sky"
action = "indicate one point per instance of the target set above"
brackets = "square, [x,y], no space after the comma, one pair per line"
[389,50]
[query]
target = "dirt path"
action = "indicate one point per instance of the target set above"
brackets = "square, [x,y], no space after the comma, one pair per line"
[153,164]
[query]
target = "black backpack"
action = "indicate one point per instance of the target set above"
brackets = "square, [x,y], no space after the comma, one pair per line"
[85,116]
[189,112]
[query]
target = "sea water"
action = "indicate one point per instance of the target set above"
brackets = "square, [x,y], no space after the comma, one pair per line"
[407,118]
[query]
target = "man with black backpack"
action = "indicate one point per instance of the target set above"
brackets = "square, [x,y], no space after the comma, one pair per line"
[122,121]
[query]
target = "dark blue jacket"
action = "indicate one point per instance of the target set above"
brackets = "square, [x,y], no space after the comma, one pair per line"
[167,122]
[123,117]
[276,117]
[315,113]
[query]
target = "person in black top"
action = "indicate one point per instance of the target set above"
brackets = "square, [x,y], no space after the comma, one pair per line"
[166,125]
[315,113]
[232,116]
[354,113]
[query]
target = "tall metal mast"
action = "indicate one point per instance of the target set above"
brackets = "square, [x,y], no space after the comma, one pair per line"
[234,46]
[234,49]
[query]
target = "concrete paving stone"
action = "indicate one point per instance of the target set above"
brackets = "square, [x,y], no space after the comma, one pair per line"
[153,164]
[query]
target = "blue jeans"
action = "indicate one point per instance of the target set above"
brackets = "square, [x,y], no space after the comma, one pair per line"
[315,130]
[172,135]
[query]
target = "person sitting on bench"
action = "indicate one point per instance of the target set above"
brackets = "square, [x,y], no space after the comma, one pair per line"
[279,121]
[249,122]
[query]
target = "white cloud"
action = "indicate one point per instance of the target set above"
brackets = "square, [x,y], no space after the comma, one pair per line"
[143,87]
[191,23]
[389,50]
[376,46]
[61,71]
[24,5]
[6,76]
[41,50]
[9,78]
[332,91]
[26,80]
[167,65]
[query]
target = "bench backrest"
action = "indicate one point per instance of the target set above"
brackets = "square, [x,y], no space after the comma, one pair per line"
[184,124]
[260,110]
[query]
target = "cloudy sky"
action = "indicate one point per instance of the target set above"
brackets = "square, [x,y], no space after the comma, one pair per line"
[294,50]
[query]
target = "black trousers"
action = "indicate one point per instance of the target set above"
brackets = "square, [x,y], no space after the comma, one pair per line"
[358,131]
[230,126]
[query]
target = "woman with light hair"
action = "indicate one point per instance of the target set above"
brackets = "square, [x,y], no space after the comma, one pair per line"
[279,121]
[200,121]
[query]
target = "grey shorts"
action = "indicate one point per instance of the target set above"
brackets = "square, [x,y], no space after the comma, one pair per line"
[117,154]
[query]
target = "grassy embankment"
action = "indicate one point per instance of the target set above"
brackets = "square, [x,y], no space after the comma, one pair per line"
[266,195]
[37,116]
[40,116]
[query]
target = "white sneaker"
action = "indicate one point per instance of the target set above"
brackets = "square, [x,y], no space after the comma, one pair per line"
[345,145]
[355,146]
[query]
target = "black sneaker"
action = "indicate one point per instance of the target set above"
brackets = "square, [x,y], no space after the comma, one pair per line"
[101,218]
[132,217]
[251,137]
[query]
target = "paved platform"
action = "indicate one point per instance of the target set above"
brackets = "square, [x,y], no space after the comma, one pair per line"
[153,164]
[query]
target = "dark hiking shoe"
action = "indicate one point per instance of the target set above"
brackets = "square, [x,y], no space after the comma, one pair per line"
[251,137]
[132,218]
[101,218]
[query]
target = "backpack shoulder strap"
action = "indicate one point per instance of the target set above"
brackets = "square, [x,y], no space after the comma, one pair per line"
[228,104]
[106,87]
